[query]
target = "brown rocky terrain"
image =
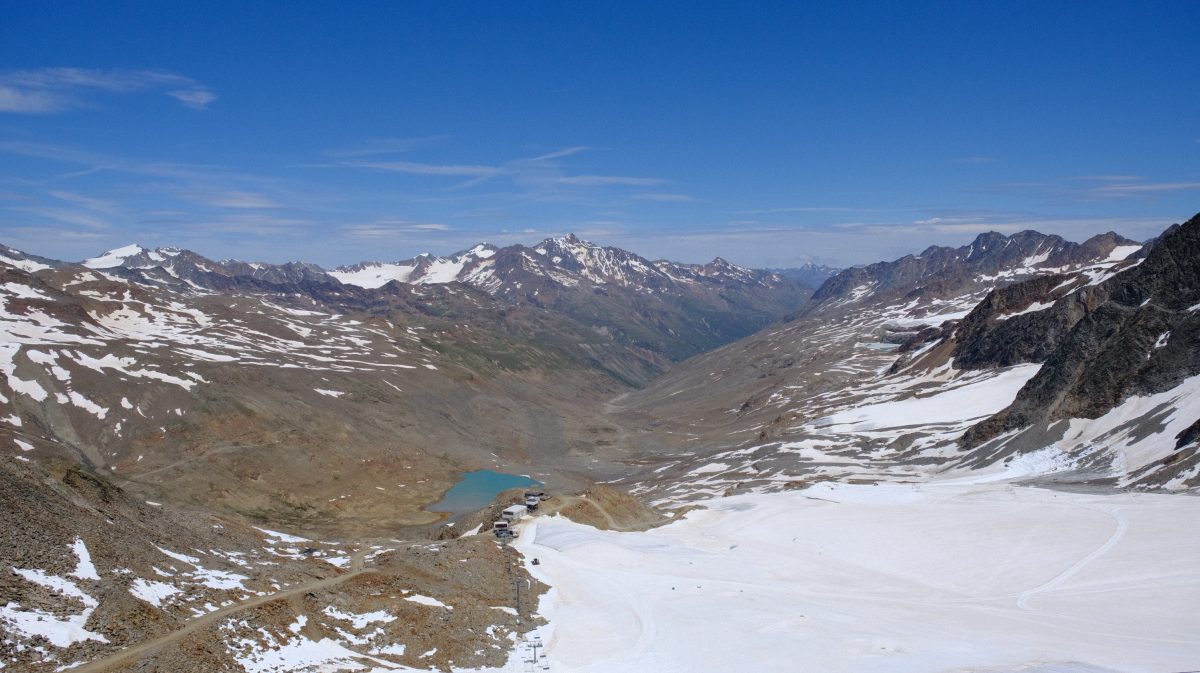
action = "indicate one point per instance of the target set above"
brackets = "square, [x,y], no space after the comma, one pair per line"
[608,508]
[161,589]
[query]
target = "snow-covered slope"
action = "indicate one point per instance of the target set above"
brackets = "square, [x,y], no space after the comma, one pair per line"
[131,256]
[895,578]
[421,270]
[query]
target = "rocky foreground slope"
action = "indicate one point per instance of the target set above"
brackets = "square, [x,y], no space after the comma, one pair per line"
[93,574]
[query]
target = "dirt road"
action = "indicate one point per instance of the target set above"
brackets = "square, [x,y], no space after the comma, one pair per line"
[134,652]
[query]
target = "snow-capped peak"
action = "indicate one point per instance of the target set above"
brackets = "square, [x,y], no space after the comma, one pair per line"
[424,269]
[133,256]
[482,251]
[115,257]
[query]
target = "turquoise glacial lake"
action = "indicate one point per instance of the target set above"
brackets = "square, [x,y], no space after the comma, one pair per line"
[477,489]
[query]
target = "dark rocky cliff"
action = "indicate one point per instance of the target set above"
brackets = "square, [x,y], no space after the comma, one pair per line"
[1137,333]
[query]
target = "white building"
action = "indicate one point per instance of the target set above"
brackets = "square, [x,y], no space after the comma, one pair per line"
[514,512]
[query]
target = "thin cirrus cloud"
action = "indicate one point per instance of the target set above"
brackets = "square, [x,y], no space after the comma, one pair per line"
[802,209]
[53,90]
[378,146]
[1095,188]
[233,199]
[68,216]
[101,205]
[1072,228]
[664,197]
[1143,188]
[254,224]
[415,168]
[607,180]
[392,229]
[536,174]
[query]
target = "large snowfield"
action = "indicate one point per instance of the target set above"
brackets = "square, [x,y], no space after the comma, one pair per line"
[894,578]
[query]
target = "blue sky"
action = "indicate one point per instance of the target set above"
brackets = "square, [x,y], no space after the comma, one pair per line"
[767,133]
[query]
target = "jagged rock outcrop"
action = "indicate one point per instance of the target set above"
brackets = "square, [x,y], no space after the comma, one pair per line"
[1137,333]
[1003,330]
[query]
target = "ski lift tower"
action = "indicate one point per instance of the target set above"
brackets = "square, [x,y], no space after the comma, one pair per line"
[532,660]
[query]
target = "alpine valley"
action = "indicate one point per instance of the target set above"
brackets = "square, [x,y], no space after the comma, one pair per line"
[224,465]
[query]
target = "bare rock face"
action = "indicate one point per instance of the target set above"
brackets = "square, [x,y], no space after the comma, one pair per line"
[1002,330]
[1137,333]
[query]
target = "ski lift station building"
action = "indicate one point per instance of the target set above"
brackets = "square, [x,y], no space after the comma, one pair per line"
[513,513]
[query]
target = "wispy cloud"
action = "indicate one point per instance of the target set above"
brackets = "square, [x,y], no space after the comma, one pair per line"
[1106,178]
[803,209]
[27,101]
[68,216]
[254,224]
[1100,187]
[606,180]
[393,229]
[173,202]
[232,199]
[559,154]
[1072,228]
[375,146]
[51,90]
[101,205]
[1143,188]
[27,237]
[197,99]
[51,152]
[414,168]
[664,197]
[537,176]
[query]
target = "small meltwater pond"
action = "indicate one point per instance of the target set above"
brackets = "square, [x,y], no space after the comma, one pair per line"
[477,489]
[880,346]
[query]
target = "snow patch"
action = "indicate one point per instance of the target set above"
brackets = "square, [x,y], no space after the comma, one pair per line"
[153,592]
[427,600]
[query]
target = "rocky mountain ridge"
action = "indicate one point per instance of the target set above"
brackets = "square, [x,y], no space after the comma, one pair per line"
[943,272]
[1135,335]
[654,313]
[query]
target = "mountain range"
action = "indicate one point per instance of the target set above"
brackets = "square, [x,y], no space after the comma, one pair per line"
[182,433]
[641,315]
